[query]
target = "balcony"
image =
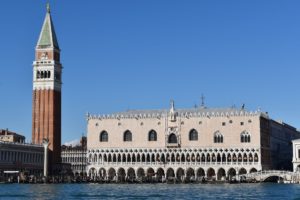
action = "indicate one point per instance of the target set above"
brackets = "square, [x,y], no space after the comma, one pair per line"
[173,145]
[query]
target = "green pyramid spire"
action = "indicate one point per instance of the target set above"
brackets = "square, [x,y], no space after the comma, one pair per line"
[47,36]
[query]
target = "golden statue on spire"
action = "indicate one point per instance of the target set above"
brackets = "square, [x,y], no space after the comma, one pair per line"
[48,7]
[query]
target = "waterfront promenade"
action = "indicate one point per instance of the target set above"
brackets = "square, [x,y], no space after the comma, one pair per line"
[261,176]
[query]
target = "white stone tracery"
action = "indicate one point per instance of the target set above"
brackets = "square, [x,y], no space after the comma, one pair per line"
[211,163]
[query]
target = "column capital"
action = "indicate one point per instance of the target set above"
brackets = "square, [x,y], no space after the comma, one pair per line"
[45,142]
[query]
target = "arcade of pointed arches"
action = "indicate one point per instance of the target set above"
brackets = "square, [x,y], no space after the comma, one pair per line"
[162,173]
[175,156]
[195,163]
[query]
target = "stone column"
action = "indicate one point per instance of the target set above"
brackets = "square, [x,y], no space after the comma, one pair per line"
[45,144]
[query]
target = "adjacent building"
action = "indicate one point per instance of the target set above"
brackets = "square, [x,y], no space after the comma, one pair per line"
[17,157]
[296,155]
[215,143]
[9,136]
[47,75]
[76,157]
[21,157]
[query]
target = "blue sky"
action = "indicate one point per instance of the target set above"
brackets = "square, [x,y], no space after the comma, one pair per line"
[133,54]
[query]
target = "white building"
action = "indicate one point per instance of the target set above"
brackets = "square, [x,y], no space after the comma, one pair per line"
[186,144]
[76,157]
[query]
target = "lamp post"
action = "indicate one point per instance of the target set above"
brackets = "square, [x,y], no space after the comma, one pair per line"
[45,144]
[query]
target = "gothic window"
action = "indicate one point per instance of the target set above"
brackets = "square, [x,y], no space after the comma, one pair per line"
[245,137]
[127,136]
[218,137]
[103,136]
[152,136]
[172,138]
[193,136]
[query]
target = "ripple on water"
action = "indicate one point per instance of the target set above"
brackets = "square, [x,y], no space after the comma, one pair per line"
[150,191]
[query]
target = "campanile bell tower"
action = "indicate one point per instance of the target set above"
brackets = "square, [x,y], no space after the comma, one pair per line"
[47,71]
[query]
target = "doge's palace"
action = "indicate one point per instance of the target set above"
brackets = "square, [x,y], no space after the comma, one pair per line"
[183,144]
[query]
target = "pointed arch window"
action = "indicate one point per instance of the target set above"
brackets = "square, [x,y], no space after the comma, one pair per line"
[103,136]
[193,135]
[245,137]
[152,135]
[218,137]
[127,136]
[172,138]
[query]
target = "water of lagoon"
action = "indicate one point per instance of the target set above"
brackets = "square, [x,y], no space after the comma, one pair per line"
[150,191]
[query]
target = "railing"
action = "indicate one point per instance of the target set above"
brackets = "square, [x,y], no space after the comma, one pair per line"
[268,173]
[21,144]
[173,163]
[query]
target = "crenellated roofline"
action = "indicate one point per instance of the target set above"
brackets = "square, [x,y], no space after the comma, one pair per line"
[184,113]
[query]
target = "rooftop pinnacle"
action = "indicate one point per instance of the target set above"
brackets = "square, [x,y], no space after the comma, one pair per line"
[48,7]
[47,37]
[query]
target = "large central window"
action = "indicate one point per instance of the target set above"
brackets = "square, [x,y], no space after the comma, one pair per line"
[172,138]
